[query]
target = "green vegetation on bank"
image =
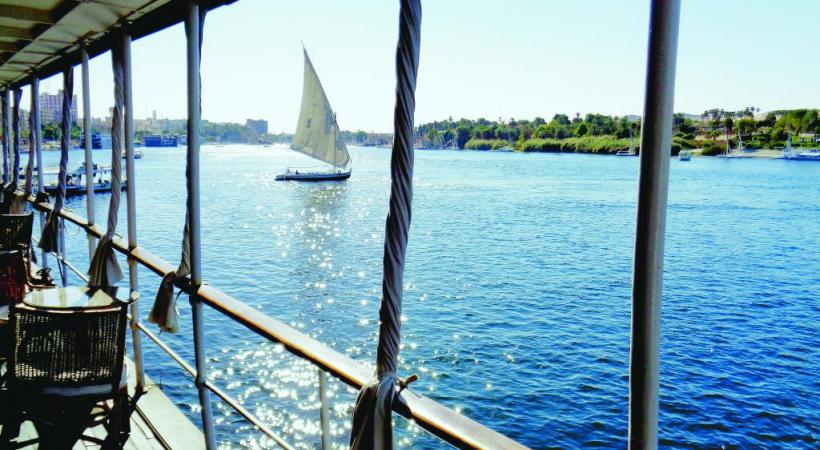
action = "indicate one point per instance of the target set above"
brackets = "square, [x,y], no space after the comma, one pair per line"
[598,133]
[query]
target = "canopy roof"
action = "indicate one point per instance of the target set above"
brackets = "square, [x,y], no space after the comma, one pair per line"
[43,36]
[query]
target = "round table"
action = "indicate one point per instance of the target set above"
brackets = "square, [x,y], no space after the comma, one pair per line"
[72,298]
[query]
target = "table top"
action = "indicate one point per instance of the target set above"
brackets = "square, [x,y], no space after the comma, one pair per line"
[72,297]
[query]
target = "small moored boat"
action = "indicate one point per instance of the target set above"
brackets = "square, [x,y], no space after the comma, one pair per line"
[76,181]
[685,155]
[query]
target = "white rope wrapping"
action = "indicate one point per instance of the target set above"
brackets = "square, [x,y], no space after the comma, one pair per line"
[164,312]
[4,104]
[50,238]
[372,427]
[105,269]
[15,117]
[31,150]
[18,204]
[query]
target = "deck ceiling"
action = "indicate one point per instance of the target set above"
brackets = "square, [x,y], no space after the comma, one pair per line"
[44,36]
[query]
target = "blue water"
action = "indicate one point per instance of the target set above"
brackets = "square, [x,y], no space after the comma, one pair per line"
[517,299]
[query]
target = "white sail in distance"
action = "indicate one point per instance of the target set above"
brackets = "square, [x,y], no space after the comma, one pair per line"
[317,133]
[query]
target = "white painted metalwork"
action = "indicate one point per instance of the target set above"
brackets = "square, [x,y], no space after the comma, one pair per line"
[131,200]
[89,160]
[193,29]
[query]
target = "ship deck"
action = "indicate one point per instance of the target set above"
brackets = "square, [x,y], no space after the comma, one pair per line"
[156,424]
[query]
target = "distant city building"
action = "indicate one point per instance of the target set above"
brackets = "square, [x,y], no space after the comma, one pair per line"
[257,126]
[51,108]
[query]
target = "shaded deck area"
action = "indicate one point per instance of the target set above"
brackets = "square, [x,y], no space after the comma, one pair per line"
[156,424]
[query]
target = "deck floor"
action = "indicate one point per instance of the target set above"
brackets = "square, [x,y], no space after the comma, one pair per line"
[156,424]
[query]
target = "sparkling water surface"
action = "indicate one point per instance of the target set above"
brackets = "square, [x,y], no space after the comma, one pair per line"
[517,292]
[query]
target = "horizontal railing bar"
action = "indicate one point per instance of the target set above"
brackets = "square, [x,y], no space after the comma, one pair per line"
[215,389]
[192,372]
[248,416]
[434,417]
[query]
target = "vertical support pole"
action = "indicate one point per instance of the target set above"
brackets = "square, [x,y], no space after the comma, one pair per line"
[89,160]
[647,277]
[324,416]
[131,200]
[194,117]
[38,145]
[6,134]
[7,119]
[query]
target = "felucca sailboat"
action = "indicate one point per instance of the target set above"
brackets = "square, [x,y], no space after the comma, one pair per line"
[317,134]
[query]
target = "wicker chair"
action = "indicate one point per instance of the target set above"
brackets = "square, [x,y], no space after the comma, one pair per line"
[12,290]
[15,234]
[68,361]
[15,231]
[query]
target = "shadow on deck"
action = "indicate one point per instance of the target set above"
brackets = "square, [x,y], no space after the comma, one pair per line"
[156,424]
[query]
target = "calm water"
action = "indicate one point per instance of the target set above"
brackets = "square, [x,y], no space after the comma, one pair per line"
[517,301]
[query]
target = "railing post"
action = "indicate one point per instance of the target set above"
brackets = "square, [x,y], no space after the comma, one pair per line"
[647,278]
[324,417]
[131,200]
[89,160]
[194,116]
[38,146]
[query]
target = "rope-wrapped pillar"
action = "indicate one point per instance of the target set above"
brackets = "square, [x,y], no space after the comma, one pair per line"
[32,150]
[653,186]
[51,238]
[164,312]
[18,204]
[191,244]
[105,269]
[372,427]
[4,103]
[38,152]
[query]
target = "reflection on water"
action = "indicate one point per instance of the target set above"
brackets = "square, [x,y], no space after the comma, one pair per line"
[517,296]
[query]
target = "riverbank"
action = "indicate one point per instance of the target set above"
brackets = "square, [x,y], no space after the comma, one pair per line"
[603,145]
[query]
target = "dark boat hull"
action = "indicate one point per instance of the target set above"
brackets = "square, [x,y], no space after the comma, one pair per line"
[314,176]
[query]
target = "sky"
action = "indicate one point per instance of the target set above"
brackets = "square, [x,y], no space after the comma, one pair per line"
[479,58]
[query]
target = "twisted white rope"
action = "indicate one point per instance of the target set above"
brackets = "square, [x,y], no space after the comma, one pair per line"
[31,149]
[50,238]
[372,427]
[164,312]
[4,104]
[105,269]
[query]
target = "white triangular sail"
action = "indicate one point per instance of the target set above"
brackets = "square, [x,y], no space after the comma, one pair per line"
[317,133]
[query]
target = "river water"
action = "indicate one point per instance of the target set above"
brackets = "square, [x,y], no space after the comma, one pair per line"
[517,296]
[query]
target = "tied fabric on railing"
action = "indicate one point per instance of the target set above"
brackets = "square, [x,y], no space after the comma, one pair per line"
[105,269]
[19,204]
[372,425]
[50,238]
[164,312]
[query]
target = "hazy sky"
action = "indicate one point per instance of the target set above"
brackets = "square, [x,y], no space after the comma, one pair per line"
[479,58]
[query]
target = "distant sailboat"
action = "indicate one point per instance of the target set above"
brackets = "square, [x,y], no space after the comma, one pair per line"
[740,146]
[790,153]
[317,134]
[631,151]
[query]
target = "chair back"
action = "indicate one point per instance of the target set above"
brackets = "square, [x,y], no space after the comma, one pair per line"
[13,277]
[65,349]
[15,231]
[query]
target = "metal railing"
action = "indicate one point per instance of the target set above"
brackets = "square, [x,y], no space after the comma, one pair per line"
[446,424]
